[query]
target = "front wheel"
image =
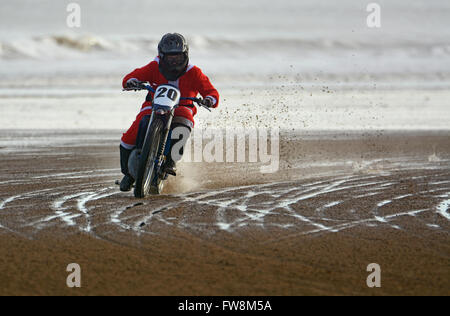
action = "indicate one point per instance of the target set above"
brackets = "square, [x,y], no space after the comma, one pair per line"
[147,159]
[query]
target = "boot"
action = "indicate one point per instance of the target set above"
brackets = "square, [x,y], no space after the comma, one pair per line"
[170,164]
[127,180]
[126,184]
[170,167]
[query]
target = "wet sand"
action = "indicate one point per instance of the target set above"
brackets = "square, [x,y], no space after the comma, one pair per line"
[340,201]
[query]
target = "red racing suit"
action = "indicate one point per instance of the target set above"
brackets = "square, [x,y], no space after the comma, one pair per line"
[192,82]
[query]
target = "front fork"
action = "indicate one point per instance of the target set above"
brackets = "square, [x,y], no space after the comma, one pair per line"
[164,146]
[165,143]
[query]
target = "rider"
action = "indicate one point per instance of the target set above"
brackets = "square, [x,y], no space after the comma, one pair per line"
[170,66]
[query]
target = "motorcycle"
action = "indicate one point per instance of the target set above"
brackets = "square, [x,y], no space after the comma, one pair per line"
[146,162]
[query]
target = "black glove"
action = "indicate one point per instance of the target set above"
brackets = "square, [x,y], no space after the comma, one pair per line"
[133,83]
[208,102]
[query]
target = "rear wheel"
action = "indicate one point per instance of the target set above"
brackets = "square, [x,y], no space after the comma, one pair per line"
[147,159]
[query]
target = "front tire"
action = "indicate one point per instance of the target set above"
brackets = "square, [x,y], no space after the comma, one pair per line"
[146,168]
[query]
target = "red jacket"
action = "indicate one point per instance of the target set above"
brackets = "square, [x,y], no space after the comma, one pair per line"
[190,84]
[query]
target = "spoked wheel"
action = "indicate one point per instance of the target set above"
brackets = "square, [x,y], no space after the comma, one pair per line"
[147,160]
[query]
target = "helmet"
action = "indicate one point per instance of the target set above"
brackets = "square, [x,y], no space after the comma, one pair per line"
[173,52]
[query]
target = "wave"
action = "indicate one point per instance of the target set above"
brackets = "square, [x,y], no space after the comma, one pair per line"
[66,46]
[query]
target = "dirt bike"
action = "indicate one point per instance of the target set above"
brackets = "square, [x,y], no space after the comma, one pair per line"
[146,162]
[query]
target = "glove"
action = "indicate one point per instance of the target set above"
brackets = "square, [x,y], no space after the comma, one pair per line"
[133,83]
[208,102]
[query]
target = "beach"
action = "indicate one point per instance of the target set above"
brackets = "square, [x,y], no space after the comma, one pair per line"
[357,124]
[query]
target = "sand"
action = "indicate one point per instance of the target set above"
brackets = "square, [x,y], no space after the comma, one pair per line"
[339,202]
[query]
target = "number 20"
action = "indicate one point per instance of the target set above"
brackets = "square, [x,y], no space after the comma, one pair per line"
[171,93]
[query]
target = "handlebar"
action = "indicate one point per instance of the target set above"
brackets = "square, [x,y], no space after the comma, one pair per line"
[146,86]
[142,86]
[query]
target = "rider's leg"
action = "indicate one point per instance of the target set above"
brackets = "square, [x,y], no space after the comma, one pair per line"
[127,144]
[142,130]
[127,180]
[181,129]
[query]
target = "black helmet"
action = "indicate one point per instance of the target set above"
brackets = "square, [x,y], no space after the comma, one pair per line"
[173,52]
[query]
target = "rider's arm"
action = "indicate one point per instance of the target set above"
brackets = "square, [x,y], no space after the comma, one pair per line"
[141,74]
[205,87]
